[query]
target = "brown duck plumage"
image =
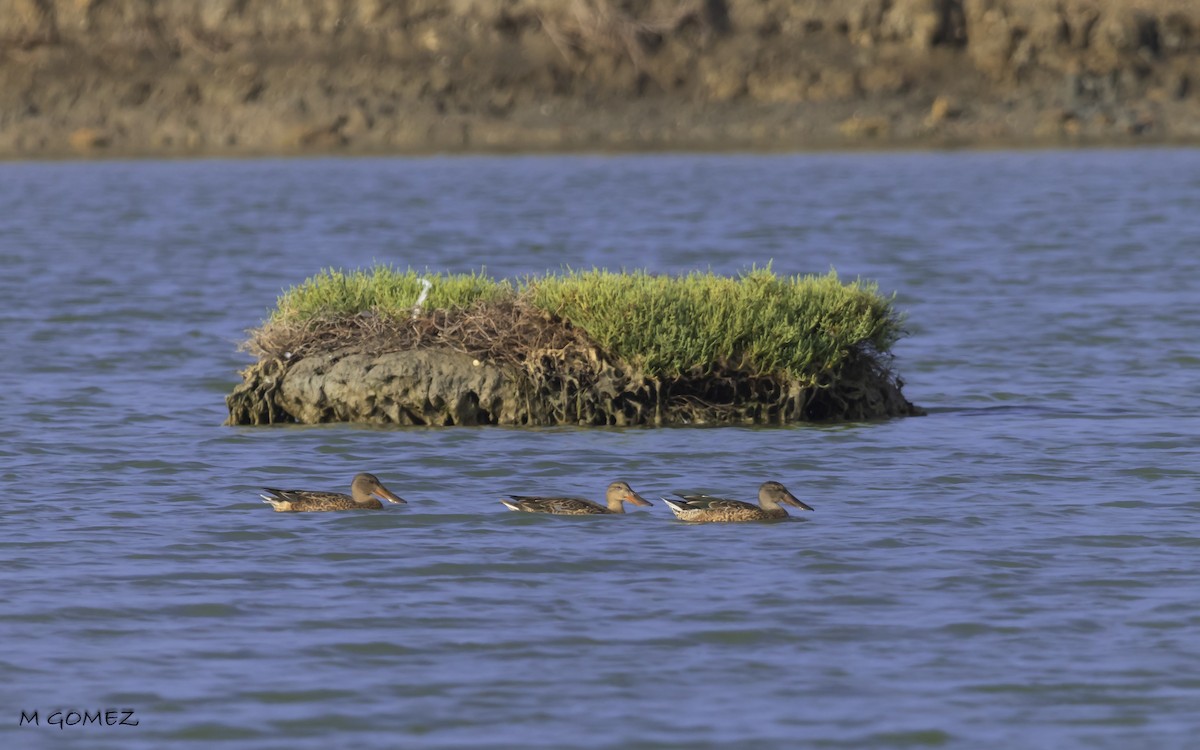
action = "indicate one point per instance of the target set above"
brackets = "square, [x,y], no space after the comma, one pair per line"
[708,509]
[617,495]
[365,491]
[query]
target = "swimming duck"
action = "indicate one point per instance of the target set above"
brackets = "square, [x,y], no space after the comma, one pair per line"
[708,509]
[618,493]
[365,491]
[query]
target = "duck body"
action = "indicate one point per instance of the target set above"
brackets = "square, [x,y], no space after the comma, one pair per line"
[561,506]
[709,509]
[366,491]
[617,495]
[301,501]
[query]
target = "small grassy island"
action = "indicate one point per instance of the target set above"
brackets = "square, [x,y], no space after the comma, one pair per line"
[582,347]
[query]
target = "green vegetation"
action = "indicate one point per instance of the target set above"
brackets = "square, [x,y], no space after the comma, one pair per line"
[801,328]
[760,323]
[384,291]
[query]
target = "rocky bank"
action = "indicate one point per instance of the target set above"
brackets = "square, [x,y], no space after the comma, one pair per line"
[250,77]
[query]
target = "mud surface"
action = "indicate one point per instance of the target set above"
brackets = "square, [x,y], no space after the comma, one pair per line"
[442,387]
[248,77]
[508,362]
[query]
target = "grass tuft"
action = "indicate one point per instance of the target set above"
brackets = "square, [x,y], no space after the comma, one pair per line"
[759,323]
[799,327]
[384,291]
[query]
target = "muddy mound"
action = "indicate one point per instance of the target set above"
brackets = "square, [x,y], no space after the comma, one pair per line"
[511,364]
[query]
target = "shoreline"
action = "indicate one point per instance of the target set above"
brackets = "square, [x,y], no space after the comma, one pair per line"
[516,153]
[145,79]
[881,149]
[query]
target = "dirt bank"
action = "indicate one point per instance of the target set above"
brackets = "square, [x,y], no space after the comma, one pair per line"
[444,387]
[509,362]
[244,77]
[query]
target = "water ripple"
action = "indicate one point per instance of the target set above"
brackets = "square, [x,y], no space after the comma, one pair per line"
[1013,570]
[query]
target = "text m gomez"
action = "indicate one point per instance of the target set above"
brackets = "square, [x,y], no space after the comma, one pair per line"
[62,719]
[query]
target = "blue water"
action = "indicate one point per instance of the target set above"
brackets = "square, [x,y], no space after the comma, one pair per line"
[1016,569]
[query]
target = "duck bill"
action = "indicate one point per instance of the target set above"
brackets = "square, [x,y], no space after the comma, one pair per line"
[385,494]
[636,499]
[791,499]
